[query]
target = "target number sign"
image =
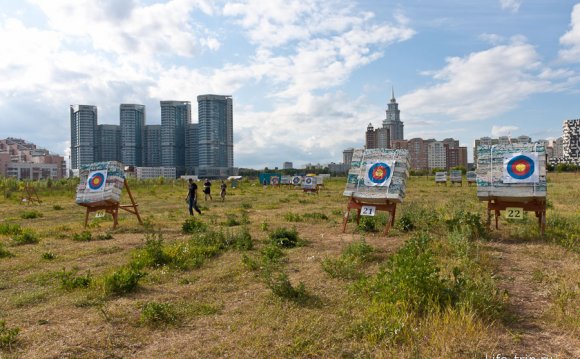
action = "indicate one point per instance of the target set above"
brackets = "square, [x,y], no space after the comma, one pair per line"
[100,213]
[514,213]
[368,211]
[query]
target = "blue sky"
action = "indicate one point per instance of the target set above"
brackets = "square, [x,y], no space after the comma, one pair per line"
[306,76]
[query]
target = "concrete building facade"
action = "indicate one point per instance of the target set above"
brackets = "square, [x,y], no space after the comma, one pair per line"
[83,127]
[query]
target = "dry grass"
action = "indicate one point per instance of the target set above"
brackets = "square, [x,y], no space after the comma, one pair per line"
[225,309]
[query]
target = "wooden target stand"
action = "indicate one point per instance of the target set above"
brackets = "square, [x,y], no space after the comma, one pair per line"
[29,195]
[458,182]
[535,205]
[358,205]
[112,207]
[470,181]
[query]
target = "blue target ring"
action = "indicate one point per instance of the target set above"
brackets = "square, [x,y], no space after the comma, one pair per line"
[296,180]
[96,181]
[520,167]
[379,173]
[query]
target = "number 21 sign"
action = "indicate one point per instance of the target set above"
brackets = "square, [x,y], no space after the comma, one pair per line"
[368,210]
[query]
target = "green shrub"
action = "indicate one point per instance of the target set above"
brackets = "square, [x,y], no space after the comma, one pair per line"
[405,223]
[370,224]
[84,236]
[193,225]
[4,253]
[283,237]
[271,253]
[48,256]
[123,280]
[152,254]
[7,335]
[30,215]
[232,220]
[411,276]
[316,216]
[467,222]
[292,217]
[69,280]
[9,229]
[155,314]
[564,232]
[28,236]
[241,240]
[250,263]
[264,226]
[246,205]
[348,264]
[104,236]
[281,287]
[57,207]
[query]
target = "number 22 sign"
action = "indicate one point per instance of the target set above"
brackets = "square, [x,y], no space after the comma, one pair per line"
[514,213]
[368,210]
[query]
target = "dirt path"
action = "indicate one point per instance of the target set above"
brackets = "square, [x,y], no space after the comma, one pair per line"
[531,330]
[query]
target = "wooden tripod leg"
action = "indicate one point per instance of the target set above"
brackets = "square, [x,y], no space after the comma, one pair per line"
[496,219]
[345,220]
[87,217]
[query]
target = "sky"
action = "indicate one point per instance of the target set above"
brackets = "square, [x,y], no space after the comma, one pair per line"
[306,76]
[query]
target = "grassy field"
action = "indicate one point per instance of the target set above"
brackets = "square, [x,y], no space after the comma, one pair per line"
[269,273]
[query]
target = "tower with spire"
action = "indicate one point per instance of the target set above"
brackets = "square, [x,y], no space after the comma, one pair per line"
[393,119]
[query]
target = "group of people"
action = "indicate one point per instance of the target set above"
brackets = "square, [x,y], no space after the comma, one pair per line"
[192,194]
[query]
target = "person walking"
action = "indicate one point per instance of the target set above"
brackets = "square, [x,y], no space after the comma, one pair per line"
[192,198]
[223,191]
[207,189]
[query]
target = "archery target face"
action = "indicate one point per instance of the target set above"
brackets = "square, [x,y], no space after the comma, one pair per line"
[378,174]
[96,181]
[296,180]
[309,182]
[274,180]
[521,168]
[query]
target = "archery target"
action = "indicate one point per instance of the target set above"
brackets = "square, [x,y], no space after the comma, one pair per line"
[379,173]
[274,181]
[296,180]
[309,182]
[96,181]
[521,168]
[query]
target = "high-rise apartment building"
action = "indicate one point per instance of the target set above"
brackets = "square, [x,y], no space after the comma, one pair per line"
[175,116]
[132,122]
[83,128]
[377,138]
[392,121]
[571,141]
[191,148]
[152,146]
[215,131]
[109,142]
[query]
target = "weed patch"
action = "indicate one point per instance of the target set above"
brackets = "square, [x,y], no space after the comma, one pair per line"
[48,256]
[4,253]
[27,236]
[69,280]
[156,314]
[193,225]
[7,335]
[122,281]
[285,238]
[350,261]
[30,215]
[10,229]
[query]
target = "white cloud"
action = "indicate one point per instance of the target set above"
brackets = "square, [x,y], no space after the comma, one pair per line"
[480,85]
[497,131]
[571,39]
[127,29]
[511,5]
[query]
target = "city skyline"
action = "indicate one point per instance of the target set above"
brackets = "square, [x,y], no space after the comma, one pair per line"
[308,76]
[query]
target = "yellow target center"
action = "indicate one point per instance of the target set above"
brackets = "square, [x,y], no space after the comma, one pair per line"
[379,172]
[520,167]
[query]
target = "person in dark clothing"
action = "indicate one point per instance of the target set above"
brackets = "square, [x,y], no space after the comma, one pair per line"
[207,189]
[192,198]
[223,191]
